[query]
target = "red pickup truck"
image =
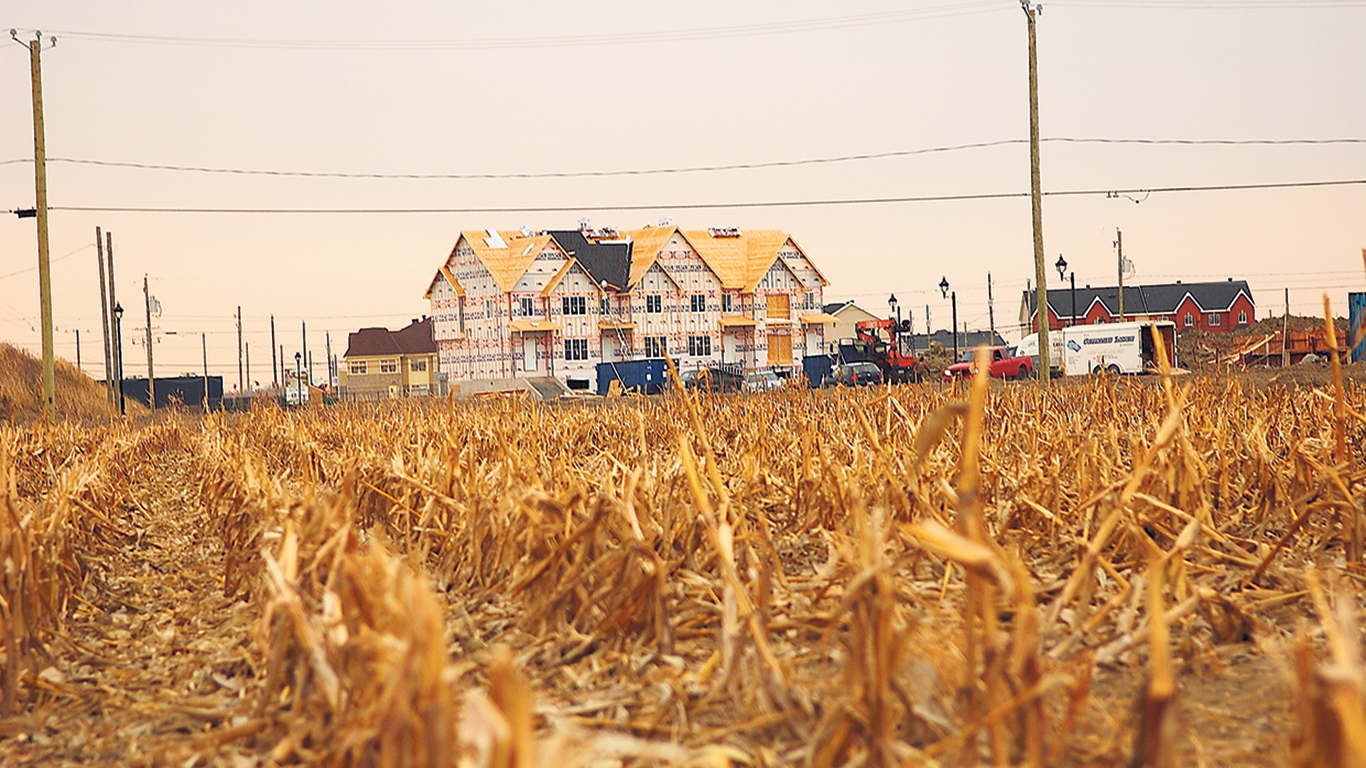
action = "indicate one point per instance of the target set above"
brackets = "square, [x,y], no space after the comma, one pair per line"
[1004,365]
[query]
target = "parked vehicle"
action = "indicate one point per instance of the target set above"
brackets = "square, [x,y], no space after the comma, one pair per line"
[1029,347]
[762,380]
[879,343]
[855,374]
[1115,347]
[1005,364]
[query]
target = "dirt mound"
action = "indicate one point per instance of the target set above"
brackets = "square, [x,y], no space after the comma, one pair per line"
[21,389]
[936,359]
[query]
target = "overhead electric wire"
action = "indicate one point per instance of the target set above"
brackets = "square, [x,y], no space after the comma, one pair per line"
[558,41]
[695,168]
[710,206]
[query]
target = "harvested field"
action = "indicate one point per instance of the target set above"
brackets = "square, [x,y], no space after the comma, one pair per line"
[1102,574]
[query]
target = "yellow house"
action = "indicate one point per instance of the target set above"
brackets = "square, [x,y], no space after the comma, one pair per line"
[381,363]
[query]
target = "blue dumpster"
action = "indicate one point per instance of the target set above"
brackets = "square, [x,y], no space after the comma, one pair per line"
[649,377]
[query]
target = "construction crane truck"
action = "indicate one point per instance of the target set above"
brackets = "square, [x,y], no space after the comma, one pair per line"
[878,342]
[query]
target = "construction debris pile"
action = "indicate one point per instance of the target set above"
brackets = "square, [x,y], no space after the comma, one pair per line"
[1090,575]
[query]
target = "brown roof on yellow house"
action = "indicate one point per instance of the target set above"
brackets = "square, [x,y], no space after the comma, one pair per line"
[509,263]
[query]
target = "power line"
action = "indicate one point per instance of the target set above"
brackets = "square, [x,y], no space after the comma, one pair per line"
[54,261]
[559,41]
[690,169]
[731,205]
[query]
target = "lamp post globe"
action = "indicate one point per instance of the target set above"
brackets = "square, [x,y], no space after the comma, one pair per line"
[1061,264]
[944,286]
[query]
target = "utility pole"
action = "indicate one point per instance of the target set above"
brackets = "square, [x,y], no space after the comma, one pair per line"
[240,380]
[991,309]
[1119,245]
[1036,195]
[151,378]
[44,266]
[328,338]
[78,349]
[116,313]
[104,319]
[204,350]
[274,366]
[928,330]
[303,331]
[249,387]
[1285,332]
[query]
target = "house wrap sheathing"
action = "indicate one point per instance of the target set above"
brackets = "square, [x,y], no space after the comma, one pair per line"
[520,303]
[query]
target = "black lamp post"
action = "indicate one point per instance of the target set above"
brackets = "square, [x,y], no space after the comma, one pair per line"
[299,376]
[895,315]
[952,296]
[1061,264]
[118,345]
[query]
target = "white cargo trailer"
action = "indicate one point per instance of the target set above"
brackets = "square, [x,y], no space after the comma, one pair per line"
[1116,347]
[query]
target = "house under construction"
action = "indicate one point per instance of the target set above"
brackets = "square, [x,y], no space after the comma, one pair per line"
[509,304]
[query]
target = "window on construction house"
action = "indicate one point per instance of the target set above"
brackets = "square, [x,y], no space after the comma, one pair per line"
[461,312]
[809,300]
[356,367]
[605,306]
[488,308]
[656,346]
[388,366]
[699,346]
[574,305]
[528,306]
[1242,318]
[654,304]
[1214,319]
[417,366]
[727,302]
[697,302]
[576,349]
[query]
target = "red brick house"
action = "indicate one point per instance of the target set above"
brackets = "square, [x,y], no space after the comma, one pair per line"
[1215,307]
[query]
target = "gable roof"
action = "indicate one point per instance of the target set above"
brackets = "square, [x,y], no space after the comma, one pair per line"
[1160,299]
[444,274]
[648,243]
[509,263]
[605,261]
[569,266]
[416,339]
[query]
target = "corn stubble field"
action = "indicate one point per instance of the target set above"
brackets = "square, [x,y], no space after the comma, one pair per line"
[1110,573]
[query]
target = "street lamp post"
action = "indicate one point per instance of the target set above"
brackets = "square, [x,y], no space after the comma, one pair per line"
[298,376]
[1061,265]
[118,344]
[895,315]
[953,297]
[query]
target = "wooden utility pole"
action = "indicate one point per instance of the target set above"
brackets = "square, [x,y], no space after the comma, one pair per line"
[991,310]
[78,349]
[274,365]
[303,331]
[116,341]
[104,319]
[240,381]
[44,266]
[248,368]
[1119,245]
[204,350]
[151,376]
[327,337]
[1036,195]
[1285,332]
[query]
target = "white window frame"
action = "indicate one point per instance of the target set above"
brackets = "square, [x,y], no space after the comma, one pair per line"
[727,302]
[656,346]
[1214,319]
[528,306]
[697,302]
[654,304]
[699,346]
[1242,317]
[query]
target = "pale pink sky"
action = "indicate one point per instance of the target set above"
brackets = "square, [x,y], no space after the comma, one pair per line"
[654,92]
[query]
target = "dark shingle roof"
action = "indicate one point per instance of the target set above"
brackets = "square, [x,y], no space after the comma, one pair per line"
[605,262]
[831,309]
[416,339]
[1161,299]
